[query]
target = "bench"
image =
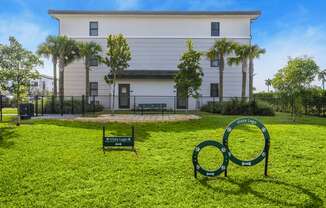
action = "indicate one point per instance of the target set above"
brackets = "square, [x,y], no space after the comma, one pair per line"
[118,141]
[152,107]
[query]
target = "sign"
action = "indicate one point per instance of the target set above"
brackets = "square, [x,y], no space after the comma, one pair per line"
[118,141]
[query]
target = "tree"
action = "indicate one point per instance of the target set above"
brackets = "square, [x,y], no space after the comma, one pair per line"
[220,50]
[322,78]
[17,68]
[88,51]
[189,77]
[242,56]
[50,48]
[296,77]
[268,83]
[254,53]
[68,52]
[117,57]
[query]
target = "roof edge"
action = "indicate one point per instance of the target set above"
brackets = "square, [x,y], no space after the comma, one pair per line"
[144,12]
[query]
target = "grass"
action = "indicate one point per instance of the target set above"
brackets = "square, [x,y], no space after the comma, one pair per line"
[9,110]
[61,164]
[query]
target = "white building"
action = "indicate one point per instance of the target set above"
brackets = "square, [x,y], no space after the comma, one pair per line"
[157,40]
[42,86]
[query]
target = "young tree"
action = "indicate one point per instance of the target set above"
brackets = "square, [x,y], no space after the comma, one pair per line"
[295,78]
[117,57]
[50,48]
[242,53]
[17,68]
[254,53]
[220,50]
[68,52]
[88,51]
[322,77]
[189,77]
[268,83]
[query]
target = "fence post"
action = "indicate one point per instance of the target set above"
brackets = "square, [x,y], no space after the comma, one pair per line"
[93,103]
[61,105]
[174,104]
[42,105]
[0,107]
[72,104]
[36,105]
[134,103]
[52,105]
[83,104]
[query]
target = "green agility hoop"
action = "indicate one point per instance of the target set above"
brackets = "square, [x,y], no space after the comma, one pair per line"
[261,156]
[198,168]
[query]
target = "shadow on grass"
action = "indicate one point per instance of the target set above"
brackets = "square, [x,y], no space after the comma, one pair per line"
[245,188]
[6,134]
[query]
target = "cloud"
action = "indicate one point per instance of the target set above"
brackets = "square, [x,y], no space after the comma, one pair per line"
[27,31]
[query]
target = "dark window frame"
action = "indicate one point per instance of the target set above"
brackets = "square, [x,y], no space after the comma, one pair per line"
[212,92]
[93,61]
[92,88]
[215,62]
[215,28]
[93,31]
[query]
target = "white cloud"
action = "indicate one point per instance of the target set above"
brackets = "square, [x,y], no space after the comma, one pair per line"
[29,33]
[291,42]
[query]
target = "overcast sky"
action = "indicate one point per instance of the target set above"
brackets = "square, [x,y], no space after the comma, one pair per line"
[287,28]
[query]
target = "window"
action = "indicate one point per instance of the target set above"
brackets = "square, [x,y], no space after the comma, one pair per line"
[215,29]
[215,62]
[93,28]
[93,61]
[214,90]
[35,84]
[93,88]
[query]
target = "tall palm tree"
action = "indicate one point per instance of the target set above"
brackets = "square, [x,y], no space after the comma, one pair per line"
[220,50]
[242,56]
[68,52]
[88,51]
[268,83]
[322,77]
[50,48]
[254,53]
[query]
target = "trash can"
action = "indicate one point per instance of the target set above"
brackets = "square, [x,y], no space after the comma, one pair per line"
[26,110]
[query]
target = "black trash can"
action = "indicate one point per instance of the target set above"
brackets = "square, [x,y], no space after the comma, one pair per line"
[26,110]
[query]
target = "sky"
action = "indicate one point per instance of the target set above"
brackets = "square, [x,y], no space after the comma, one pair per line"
[287,28]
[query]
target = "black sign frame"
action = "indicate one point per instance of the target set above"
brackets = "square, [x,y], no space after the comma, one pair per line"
[109,142]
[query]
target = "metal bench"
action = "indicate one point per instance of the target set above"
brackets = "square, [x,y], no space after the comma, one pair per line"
[152,107]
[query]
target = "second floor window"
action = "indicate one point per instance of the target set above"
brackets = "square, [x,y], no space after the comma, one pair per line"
[215,29]
[93,28]
[215,62]
[93,88]
[214,90]
[93,61]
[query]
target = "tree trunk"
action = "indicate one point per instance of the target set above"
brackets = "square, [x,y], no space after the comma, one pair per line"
[244,79]
[221,78]
[251,74]
[113,101]
[87,92]
[61,79]
[55,89]
[18,109]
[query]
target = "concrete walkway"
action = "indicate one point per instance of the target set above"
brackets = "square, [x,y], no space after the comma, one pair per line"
[123,118]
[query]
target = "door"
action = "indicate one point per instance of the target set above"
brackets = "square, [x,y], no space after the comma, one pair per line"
[124,95]
[182,101]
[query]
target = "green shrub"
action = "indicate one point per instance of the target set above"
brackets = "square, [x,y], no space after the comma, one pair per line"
[239,107]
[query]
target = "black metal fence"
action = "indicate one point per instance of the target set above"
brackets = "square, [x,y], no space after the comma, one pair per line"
[83,105]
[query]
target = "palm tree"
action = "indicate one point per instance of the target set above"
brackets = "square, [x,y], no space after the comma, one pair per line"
[68,52]
[50,48]
[268,83]
[220,49]
[322,77]
[242,56]
[88,51]
[255,52]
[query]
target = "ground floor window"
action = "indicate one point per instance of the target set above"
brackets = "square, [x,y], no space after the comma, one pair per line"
[214,89]
[93,88]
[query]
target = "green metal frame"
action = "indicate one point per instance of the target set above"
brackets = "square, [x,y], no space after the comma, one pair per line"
[198,168]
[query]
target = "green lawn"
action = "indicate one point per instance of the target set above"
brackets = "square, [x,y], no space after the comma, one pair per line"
[9,110]
[61,164]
